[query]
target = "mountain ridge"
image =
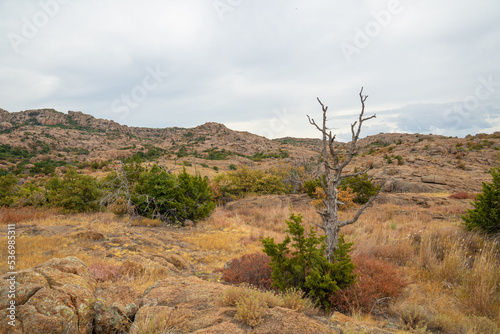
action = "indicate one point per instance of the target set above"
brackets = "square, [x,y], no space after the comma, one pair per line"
[403,163]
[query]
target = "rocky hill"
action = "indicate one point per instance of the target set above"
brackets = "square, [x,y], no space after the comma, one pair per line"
[402,163]
[46,133]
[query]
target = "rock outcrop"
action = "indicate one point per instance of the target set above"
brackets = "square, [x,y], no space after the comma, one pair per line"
[50,117]
[54,297]
[115,308]
[195,302]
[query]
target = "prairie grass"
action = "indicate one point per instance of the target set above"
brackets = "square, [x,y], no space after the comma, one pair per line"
[33,250]
[251,303]
[161,320]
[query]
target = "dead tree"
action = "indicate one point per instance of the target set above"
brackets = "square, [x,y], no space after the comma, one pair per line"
[333,166]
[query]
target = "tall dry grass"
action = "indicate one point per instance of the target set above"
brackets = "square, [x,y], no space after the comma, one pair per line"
[455,273]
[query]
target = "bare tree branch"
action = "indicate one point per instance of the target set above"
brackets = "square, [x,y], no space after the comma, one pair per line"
[320,226]
[174,167]
[360,211]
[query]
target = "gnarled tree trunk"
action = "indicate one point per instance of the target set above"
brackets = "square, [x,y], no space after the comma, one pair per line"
[333,166]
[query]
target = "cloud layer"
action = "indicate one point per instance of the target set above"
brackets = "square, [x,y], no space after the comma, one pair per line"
[427,67]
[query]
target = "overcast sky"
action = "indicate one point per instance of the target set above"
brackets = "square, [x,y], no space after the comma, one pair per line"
[427,66]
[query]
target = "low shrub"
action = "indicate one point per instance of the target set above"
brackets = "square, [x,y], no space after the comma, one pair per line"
[377,279]
[346,198]
[8,189]
[461,195]
[238,183]
[415,317]
[174,198]
[252,304]
[31,194]
[361,185]
[293,300]
[250,311]
[160,321]
[252,268]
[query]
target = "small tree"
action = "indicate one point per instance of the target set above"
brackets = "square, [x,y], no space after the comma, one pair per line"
[118,188]
[333,166]
[306,266]
[485,216]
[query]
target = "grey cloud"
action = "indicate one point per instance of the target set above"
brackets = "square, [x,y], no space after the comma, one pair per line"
[260,57]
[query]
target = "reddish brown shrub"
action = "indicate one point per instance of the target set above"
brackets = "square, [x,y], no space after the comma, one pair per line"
[377,279]
[461,195]
[252,268]
[17,215]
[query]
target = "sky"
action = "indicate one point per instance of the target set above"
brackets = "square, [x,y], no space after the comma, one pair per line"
[258,66]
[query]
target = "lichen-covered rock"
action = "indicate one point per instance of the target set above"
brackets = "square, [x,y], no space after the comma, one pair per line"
[177,260]
[54,297]
[189,303]
[115,309]
[27,283]
[285,321]
[433,179]
[88,235]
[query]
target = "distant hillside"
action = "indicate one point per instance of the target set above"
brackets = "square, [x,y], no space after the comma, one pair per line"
[403,163]
[49,134]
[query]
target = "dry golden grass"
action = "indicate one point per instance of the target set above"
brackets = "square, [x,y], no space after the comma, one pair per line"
[160,320]
[33,250]
[251,303]
[146,222]
[455,272]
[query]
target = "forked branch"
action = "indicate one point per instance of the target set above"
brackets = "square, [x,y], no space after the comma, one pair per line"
[360,211]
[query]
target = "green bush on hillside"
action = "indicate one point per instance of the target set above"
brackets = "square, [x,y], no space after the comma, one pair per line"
[73,192]
[31,194]
[242,181]
[310,187]
[485,216]
[175,198]
[361,185]
[8,189]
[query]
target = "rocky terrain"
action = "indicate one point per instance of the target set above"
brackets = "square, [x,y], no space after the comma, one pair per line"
[59,136]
